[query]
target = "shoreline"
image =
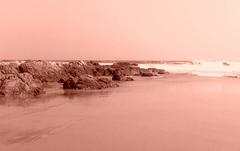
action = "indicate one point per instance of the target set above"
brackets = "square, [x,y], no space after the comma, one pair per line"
[29,78]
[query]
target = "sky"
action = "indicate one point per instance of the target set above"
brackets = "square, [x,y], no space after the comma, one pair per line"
[120,29]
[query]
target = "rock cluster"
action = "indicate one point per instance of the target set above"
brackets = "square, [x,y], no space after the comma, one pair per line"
[28,78]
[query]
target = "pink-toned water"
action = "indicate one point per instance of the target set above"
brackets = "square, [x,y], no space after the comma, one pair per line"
[180,113]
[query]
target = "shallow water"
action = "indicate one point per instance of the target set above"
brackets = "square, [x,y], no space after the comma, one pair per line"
[175,113]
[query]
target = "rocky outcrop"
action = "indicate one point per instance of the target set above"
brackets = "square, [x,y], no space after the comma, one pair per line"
[28,78]
[20,85]
[42,70]
[11,68]
[118,76]
[89,82]
[126,68]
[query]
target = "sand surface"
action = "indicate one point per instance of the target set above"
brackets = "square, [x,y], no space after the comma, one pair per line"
[176,113]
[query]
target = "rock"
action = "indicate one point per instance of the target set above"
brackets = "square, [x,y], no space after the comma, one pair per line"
[154,71]
[89,82]
[11,68]
[127,79]
[127,68]
[20,85]
[42,70]
[122,64]
[78,68]
[161,71]
[95,63]
[70,84]
[117,75]
[226,64]
[107,83]
[2,76]
[147,74]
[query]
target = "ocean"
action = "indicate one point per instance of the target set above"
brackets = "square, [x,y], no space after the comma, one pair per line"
[197,67]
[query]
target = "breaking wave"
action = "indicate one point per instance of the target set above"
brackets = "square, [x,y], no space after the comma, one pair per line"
[199,67]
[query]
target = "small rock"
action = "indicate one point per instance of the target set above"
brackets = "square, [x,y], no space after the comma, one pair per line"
[70,84]
[127,79]
[117,75]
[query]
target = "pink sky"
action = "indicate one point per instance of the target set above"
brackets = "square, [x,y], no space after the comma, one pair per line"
[120,29]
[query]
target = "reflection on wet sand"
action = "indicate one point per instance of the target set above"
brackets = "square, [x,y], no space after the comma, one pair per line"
[67,94]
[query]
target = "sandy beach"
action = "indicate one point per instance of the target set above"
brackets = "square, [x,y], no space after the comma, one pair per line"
[170,113]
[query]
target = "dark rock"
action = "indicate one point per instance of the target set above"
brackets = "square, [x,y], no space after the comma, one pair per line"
[20,85]
[61,80]
[147,74]
[117,75]
[226,64]
[161,71]
[89,82]
[70,84]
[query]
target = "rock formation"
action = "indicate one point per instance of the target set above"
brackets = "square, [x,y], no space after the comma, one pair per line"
[42,70]
[28,78]
[20,85]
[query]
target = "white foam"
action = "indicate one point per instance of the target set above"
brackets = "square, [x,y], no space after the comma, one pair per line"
[201,68]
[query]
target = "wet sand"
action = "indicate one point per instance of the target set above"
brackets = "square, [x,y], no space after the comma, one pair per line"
[175,113]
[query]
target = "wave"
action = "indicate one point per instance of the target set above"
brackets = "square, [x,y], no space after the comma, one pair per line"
[200,67]
[196,67]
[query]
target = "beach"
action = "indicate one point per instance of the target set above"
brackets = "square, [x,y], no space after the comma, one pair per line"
[169,112]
